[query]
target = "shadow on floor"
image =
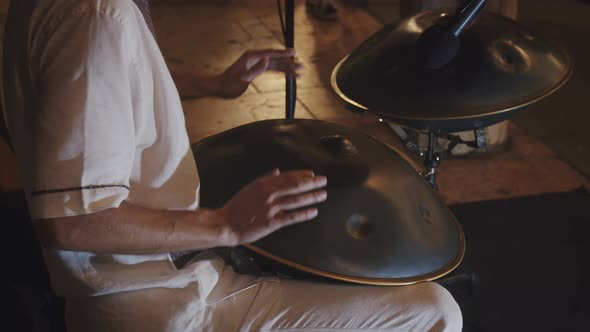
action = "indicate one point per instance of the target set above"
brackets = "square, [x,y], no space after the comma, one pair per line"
[532,258]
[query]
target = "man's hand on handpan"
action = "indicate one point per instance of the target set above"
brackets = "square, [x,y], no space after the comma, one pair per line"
[272,202]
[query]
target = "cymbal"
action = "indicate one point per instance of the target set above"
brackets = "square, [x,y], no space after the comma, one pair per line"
[501,68]
[381,224]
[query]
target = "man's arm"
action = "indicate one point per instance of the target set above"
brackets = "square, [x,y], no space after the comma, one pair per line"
[193,86]
[83,149]
[131,229]
[267,204]
[234,81]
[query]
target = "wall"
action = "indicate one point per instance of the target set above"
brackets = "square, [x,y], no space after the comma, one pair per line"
[4,6]
[9,176]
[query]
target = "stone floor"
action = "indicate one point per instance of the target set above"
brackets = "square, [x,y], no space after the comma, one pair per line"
[561,121]
[207,35]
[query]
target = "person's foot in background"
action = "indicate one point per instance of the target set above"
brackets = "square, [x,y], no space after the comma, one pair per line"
[327,10]
[321,9]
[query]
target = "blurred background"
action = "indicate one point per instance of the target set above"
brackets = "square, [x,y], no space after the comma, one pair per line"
[523,201]
[546,148]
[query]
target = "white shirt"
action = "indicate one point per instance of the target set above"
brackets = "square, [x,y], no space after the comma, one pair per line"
[96,120]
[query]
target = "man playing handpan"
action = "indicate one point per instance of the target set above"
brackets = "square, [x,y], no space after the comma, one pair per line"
[112,187]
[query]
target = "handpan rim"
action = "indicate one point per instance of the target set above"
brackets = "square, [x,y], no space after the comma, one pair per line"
[450,267]
[343,96]
[452,116]
[401,152]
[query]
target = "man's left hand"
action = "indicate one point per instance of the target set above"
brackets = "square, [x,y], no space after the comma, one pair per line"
[236,79]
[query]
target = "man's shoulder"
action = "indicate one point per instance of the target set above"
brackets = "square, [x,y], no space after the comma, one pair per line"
[51,15]
[64,9]
[118,8]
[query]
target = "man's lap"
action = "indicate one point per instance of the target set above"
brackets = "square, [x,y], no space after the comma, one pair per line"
[269,304]
[296,305]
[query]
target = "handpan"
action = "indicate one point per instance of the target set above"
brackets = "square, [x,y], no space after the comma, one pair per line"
[500,68]
[382,224]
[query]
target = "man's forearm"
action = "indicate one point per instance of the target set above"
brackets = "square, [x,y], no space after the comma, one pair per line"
[130,229]
[197,86]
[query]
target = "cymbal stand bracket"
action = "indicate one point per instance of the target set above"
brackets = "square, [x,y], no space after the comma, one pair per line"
[432,160]
[401,133]
[430,156]
[480,141]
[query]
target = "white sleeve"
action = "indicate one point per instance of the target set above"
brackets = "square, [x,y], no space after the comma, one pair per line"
[83,136]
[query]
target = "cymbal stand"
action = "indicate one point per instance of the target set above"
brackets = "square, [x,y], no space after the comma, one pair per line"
[479,142]
[288,30]
[432,156]
[432,160]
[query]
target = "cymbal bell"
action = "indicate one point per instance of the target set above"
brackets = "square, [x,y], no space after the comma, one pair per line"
[501,68]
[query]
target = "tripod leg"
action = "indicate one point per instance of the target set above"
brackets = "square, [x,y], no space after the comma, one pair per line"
[432,160]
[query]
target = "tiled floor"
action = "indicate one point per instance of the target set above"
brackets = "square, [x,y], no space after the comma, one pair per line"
[527,167]
[207,35]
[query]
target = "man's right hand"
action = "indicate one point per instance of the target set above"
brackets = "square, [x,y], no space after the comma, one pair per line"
[272,202]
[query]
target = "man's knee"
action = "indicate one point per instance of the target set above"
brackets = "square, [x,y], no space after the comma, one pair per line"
[443,307]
